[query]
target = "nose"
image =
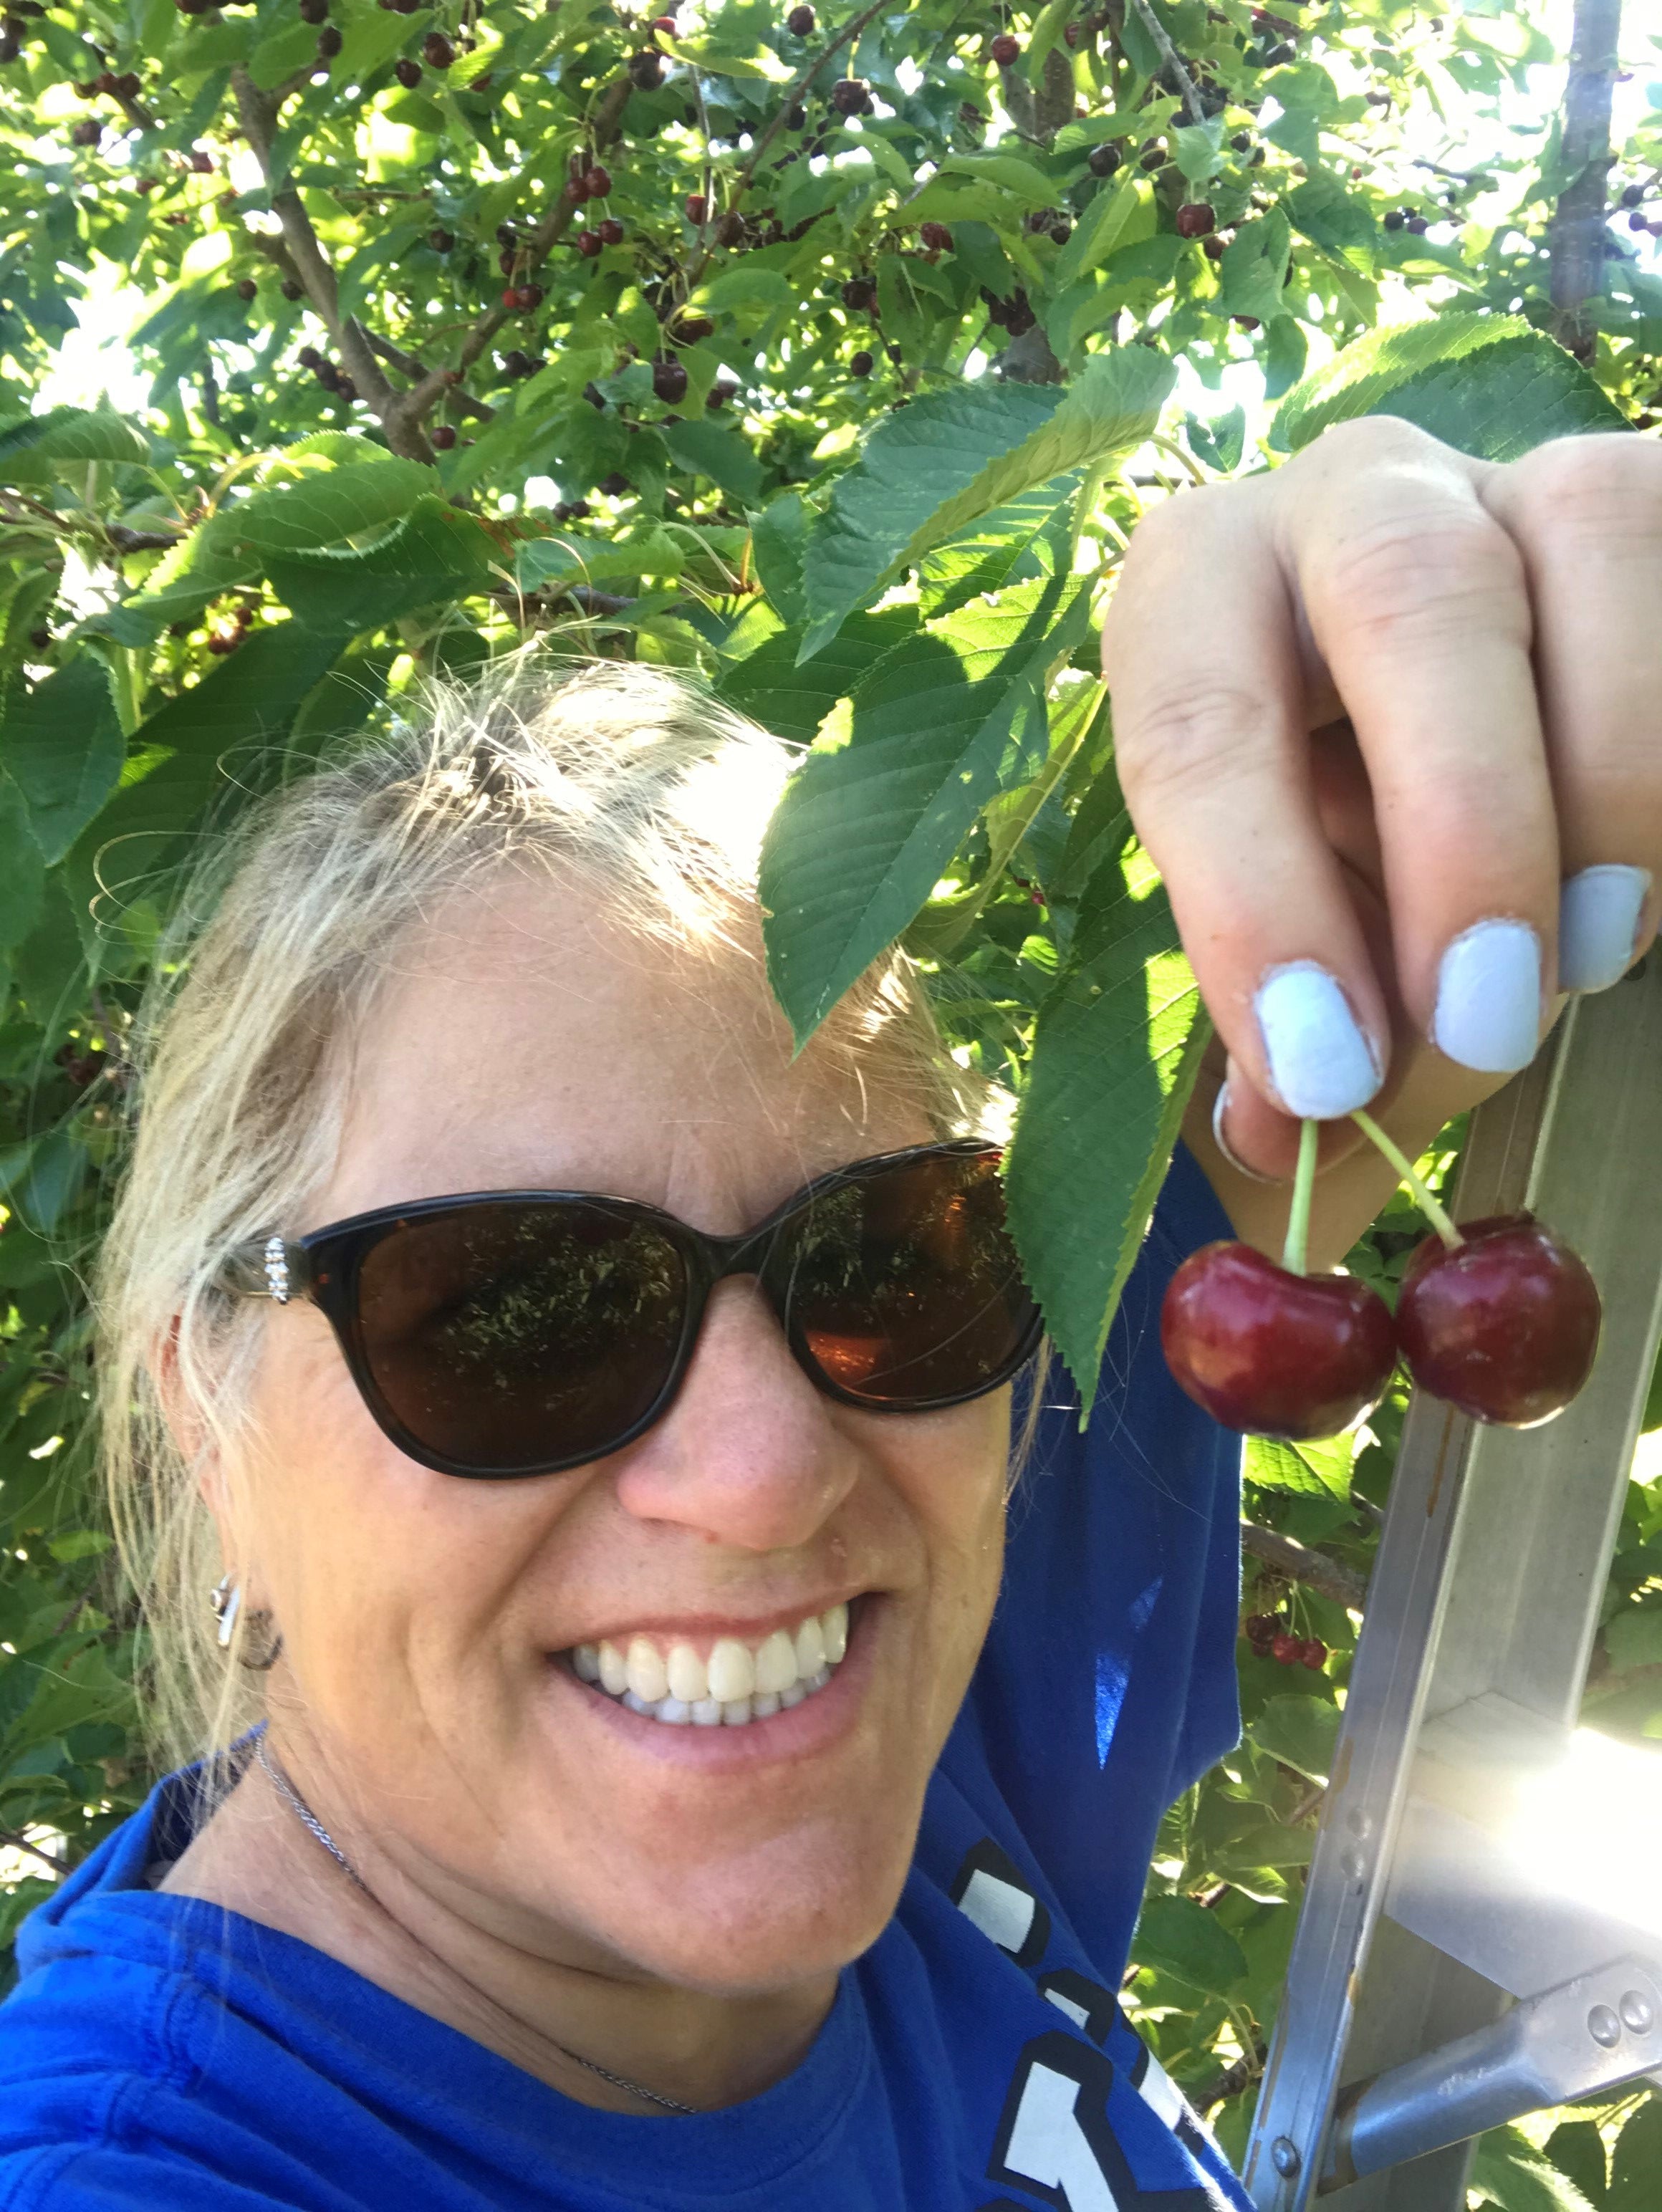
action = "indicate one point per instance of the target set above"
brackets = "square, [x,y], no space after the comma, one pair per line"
[749,1455]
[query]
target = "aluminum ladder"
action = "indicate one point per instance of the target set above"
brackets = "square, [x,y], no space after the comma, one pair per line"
[1477,1941]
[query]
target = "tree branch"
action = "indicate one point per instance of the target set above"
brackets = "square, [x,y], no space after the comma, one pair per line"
[10,1840]
[1576,235]
[1300,1563]
[746,175]
[463,402]
[554,224]
[1230,2083]
[1172,59]
[258,112]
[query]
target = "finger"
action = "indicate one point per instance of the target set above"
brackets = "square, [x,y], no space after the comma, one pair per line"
[1418,603]
[1587,515]
[1210,726]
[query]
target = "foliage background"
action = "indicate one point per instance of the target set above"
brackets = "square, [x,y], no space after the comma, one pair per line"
[715,425]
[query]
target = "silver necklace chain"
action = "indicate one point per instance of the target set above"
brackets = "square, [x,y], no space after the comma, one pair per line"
[292,1798]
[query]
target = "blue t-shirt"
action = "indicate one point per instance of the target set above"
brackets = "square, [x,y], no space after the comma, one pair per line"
[159,2052]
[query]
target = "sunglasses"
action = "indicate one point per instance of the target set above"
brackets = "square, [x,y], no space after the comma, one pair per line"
[510,1333]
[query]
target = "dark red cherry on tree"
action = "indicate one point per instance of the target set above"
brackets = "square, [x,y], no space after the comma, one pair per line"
[1293,1357]
[1196,218]
[1005,49]
[1504,1325]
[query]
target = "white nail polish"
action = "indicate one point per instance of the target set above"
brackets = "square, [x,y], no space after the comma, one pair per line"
[1488,997]
[1220,1108]
[1321,1064]
[1598,913]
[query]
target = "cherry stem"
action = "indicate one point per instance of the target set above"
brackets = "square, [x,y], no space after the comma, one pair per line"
[1404,1166]
[1295,1252]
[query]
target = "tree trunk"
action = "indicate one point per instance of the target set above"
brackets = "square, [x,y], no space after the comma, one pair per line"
[1577,231]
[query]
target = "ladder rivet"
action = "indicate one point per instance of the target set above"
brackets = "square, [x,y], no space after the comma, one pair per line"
[1359,1826]
[1284,2157]
[1604,2026]
[1354,1865]
[1637,2013]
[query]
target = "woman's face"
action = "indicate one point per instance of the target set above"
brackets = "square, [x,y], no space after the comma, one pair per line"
[427,1620]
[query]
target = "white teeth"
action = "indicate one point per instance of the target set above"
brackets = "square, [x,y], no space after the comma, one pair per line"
[775,1664]
[646,1675]
[732,1688]
[810,1649]
[732,1671]
[688,1678]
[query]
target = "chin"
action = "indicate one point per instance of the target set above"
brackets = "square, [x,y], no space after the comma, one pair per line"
[805,1907]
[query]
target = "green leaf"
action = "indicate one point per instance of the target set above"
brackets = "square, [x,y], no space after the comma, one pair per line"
[1199,150]
[1633,1638]
[1015,178]
[749,285]
[61,750]
[793,702]
[709,55]
[433,552]
[1307,1470]
[23,870]
[724,455]
[777,537]
[1023,539]
[230,724]
[1116,1051]
[1508,2171]
[1487,384]
[929,471]
[1254,267]
[65,439]
[1577,2148]
[866,826]
[1300,1732]
[1637,2161]
[1178,1936]
[323,507]
[1327,215]
[574,558]
[1121,212]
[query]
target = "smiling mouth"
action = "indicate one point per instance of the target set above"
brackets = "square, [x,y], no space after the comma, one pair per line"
[731,1685]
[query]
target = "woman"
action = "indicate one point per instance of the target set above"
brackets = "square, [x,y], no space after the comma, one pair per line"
[673,1791]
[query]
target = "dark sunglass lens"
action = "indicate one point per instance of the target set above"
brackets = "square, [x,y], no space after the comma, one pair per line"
[904,1287]
[503,1336]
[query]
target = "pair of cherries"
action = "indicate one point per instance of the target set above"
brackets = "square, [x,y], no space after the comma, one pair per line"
[1499,1317]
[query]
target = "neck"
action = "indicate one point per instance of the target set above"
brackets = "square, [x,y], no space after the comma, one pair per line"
[541,1996]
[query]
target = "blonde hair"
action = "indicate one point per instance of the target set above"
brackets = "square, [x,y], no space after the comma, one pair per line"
[632,783]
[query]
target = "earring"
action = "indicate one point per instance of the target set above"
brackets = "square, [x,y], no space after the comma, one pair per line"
[225,1602]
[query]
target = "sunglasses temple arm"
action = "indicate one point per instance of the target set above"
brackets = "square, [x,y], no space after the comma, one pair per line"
[269,1269]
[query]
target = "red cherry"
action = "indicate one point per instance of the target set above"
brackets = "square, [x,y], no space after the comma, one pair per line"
[1005,49]
[1314,1654]
[697,207]
[1259,1628]
[669,381]
[861,363]
[1283,1355]
[1196,219]
[436,50]
[330,42]
[800,22]
[441,437]
[589,243]
[1287,1649]
[511,296]
[612,231]
[665,24]
[1505,1326]
[408,72]
[596,182]
[936,236]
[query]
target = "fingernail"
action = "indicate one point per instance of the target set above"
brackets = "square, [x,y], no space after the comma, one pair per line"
[1488,997]
[1220,1108]
[1598,913]
[1320,1062]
